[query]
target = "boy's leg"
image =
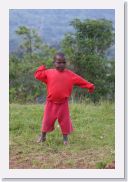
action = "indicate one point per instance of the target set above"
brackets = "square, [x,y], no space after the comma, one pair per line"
[65,139]
[48,120]
[65,121]
[42,138]
[49,117]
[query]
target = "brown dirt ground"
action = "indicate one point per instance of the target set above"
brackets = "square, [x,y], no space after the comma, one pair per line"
[60,160]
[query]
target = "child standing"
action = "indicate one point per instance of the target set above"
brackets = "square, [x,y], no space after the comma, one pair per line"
[59,82]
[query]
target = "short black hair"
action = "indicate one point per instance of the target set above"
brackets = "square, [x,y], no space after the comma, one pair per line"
[59,54]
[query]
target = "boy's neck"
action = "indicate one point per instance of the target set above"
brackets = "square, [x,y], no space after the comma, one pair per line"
[60,70]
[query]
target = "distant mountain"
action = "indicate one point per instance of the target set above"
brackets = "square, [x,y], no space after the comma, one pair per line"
[52,24]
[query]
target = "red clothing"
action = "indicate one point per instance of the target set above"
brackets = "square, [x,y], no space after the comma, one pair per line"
[55,111]
[60,84]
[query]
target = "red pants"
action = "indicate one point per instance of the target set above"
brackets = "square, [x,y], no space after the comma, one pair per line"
[55,111]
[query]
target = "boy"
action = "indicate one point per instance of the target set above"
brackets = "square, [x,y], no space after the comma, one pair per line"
[59,82]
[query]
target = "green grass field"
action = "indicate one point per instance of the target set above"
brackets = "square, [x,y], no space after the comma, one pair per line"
[90,146]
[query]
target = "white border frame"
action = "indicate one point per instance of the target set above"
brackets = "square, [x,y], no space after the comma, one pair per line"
[118,172]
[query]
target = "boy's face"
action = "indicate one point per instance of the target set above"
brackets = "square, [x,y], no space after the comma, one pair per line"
[60,63]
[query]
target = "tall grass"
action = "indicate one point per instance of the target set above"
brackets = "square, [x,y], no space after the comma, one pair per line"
[91,143]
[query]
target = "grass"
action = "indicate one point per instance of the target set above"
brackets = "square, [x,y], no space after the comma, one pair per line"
[91,145]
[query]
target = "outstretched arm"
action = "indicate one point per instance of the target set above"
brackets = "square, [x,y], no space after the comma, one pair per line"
[40,74]
[81,82]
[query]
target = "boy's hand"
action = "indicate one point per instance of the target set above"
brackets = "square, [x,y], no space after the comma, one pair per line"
[42,67]
[91,90]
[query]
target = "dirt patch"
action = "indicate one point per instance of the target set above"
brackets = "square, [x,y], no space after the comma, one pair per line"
[86,159]
[110,165]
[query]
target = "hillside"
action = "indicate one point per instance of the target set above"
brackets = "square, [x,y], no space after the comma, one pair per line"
[51,24]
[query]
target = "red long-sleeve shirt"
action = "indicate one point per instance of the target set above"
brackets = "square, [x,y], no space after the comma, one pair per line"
[60,84]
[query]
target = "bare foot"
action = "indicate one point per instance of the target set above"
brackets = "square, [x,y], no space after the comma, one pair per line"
[65,142]
[41,139]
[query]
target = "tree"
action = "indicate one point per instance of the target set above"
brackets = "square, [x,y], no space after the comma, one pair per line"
[23,86]
[85,50]
[31,40]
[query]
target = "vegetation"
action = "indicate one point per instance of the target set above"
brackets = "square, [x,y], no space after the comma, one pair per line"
[51,24]
[91,145]
[86,54]
[86,49]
